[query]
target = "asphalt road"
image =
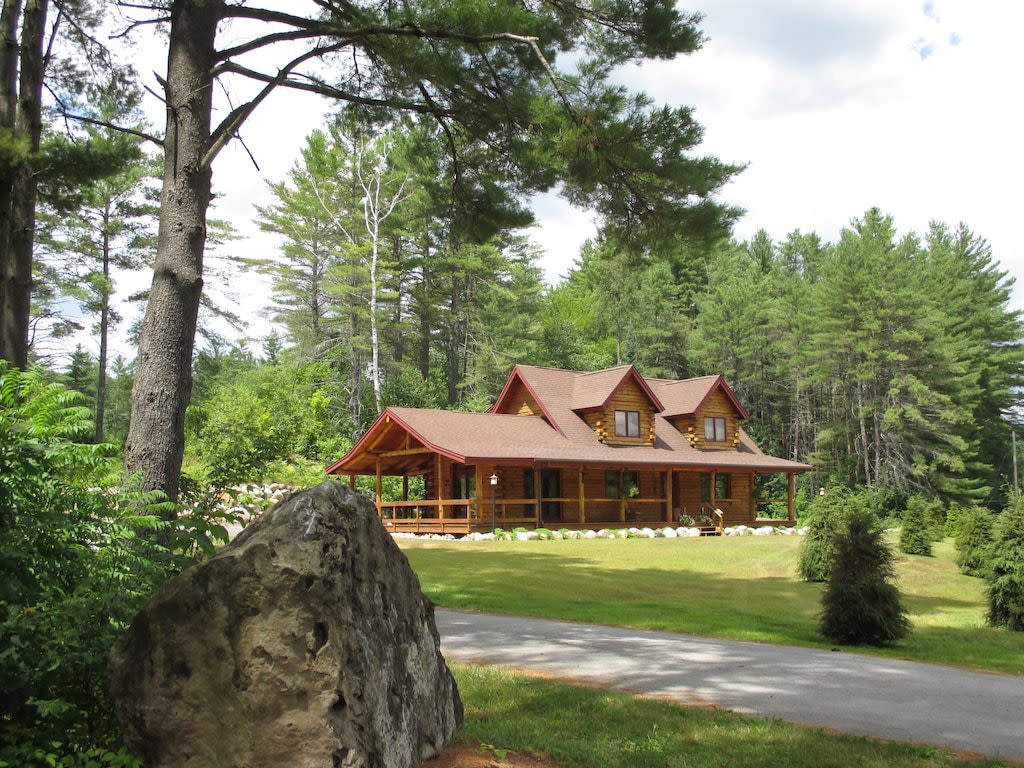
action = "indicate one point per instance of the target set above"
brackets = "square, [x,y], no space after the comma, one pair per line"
[850,692]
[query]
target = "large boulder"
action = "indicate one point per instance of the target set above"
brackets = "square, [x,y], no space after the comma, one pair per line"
[306,642]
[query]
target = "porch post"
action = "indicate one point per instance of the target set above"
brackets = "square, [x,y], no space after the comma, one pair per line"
[405,487]
[791,497]
[380,488]
[440,490]
[352,481]
[579,485]
[479,483]
[668,497]
[714,477]
[622,496]
[537,496]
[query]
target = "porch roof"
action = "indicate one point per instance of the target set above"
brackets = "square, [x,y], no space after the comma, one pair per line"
[509,439]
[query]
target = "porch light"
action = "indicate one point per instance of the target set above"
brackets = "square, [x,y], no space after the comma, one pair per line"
[494,484]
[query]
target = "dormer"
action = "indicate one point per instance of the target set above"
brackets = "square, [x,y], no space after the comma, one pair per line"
[713,422]
[618,404]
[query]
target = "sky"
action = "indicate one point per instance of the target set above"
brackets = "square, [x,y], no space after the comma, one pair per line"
[834,107]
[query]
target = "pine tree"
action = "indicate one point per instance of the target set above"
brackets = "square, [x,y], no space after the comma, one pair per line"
[861,605]
[974,542]
[1005,575]
[827,517]
[109,230]
[916,536]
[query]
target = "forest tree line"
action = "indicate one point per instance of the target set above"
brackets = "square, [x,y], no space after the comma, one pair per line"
[885,359]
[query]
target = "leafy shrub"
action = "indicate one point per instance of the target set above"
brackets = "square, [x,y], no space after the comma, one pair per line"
[886,503]
[687,521]
[544,534]
[974,541]
[252,421]
[78,556]
[955,516]
[916,535]
[565,533]
[861,605]
[1005,575]
[824,521]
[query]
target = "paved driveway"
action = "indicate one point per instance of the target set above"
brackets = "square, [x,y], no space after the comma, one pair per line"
[850,692]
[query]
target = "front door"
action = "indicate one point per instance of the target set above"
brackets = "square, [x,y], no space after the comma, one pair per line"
[550,488]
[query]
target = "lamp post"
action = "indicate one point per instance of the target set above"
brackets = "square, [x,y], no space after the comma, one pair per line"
[494,488]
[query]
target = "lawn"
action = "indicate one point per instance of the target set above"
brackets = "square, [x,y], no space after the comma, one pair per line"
[744,588]
[597,728]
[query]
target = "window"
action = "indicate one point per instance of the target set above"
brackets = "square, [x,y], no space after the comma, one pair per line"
[723,486]
[630,484]
[714,429]
[467,485]
[627,423]
[618,485]
[611,485]
[529,486]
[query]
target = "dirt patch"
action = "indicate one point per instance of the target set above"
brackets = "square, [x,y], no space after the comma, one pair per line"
[479,756]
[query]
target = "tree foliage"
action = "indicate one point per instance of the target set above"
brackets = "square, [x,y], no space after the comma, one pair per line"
[826,518]
[916,533]
[1005,574]
[861,604]
[81,548]
[974,541]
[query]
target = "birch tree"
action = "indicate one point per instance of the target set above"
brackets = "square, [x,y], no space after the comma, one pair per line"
[383,191]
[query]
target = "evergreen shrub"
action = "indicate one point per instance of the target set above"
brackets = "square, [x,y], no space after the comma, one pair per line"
[974,541]
[824,520]
[861,605]
[1005,575]
[916,536]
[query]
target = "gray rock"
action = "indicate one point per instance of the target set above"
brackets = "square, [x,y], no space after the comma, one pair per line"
[306,642]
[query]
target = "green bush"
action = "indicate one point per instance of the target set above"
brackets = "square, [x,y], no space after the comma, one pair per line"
[76,561]
[886,504]
[955,516]
[824,520]
[1005,575]
[974,541]
[252,423]
[861,605]
[916,535]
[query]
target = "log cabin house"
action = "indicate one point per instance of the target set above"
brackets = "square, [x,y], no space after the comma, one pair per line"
[571,449]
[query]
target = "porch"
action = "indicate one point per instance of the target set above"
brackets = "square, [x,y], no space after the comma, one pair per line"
[447,496]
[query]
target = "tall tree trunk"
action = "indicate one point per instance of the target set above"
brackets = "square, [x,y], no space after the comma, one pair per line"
[16,251]
[163,380]
[863,434]
[101,376]
[452,348]
[424,349]
[878,446]
[9,18]
[373,229]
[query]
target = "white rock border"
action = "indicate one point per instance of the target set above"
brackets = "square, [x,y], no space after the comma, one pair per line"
[607,533]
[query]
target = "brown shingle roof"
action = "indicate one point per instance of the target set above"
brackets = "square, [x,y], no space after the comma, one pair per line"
[475,437]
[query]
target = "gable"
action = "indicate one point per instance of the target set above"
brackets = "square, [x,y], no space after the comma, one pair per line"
[518,400]
[629,397]
[716,405]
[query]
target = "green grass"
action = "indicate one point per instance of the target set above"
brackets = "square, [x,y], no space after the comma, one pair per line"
[742,588]
[596,728]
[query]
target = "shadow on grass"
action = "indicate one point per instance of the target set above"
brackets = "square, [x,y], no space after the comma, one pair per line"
[602,729]
[739,606]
